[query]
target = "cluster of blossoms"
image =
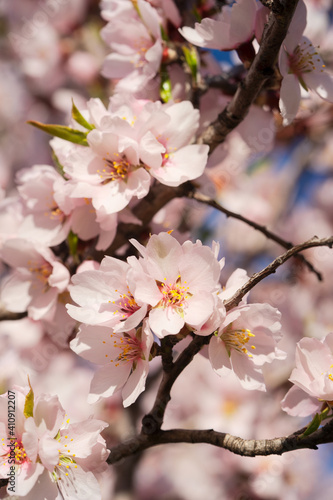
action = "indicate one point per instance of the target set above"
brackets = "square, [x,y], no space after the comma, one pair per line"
[300,64]
[44,454]
[107,160]
[129,145]
[134,34]
[171,288]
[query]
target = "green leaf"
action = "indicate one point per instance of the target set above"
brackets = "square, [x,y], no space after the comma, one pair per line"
[29,403]
[80,119]
[324,413]
[66,133]
[191,60]
[165,87]
[196,14]
[164,34]
[58,164]
[72,243]
[313,425]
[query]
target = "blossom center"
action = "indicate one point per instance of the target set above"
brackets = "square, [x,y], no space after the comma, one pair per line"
[66,464]
[56,214]
[165,158]
[305,59]
[41,273]
[237,340]
[18,453]
[114,170]
[329,374]
[141,47]
[174,294]
[126,305]
[129,347]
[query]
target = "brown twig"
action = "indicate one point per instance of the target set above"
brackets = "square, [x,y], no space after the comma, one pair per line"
[152,422]
[272,267]
[9,316]
[267,3]
[285,244]
[145,210]
[237,445]
[262,68]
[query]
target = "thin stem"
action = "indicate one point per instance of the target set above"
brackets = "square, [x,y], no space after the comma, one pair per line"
[144,211]
[271,268]
[152,422]
[272,236]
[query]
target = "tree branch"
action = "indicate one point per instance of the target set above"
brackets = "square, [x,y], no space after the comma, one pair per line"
[237,445]
[151,433]
[262,69]
[10,316]
[286,244]
[145,210]
[153,421]
[271,268]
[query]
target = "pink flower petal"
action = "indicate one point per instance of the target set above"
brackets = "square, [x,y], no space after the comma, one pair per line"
[165,321]
[298,403]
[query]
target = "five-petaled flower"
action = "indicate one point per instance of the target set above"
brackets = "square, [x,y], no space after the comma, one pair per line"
[245,341]
[301,65]
[180,283]
[123,360]
[49,453]
[312,377]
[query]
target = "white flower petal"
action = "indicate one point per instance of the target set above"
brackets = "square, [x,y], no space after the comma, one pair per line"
[290,97]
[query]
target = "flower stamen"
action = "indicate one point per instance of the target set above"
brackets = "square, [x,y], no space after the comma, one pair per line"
[237,339]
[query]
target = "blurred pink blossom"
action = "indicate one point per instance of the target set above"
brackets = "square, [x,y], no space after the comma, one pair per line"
[36,281]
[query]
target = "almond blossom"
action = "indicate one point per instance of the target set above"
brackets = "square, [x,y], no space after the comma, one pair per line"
[43,218]
[108,172]
[37,280]
[245,341]
[301,66]
[50,212]
[104,296]
[312,377]
[166,148]
[163,132]
[234,25]
[179,282]
[134,35]
[123,360]
[48,453]
[131,141]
